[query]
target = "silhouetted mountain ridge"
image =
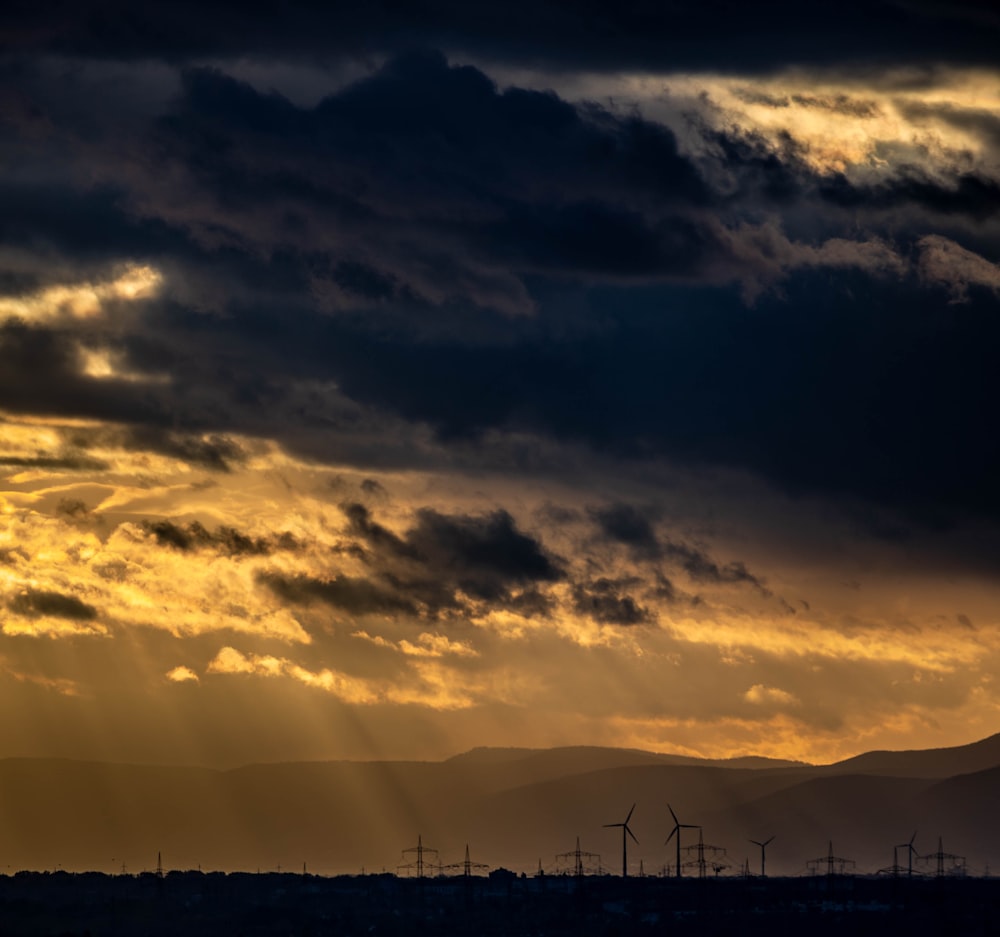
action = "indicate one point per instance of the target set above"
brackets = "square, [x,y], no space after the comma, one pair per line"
[514,807]
[926,763]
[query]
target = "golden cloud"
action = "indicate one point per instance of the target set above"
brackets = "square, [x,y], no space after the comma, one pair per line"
[182,674]
[759,694]
[430,686]
[426,645]
[678,682]
[85,299]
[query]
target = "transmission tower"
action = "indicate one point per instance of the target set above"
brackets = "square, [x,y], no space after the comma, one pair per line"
[417,865]
[946,863]
[584,863]
[467,868]
[895,870]
[701,855]
[830,864]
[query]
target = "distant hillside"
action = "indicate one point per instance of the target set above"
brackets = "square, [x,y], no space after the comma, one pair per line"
[929,763]
[513,807]
[519,766]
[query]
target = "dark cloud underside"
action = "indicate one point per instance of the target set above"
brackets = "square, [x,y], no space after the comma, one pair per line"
[424,248]
[35,603]
[726,35]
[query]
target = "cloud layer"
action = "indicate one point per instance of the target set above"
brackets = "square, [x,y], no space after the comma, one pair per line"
[627,384]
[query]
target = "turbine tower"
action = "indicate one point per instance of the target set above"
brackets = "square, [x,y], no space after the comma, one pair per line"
[678,826]
[626,832]
[910,853]
[763,848]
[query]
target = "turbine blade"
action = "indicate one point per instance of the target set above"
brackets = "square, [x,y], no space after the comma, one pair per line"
[671,836]
[766,841]
[913,837]
[630,833]
[674,815]
[612,824]
[629,817]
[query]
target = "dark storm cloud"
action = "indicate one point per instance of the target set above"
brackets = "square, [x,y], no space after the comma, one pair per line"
[378,537]
[214,452]
[723,35]
[632,526]
[36,603]
[498,182]
[667,591]
[39,372]
[703,569]
[217,452]
[982,123]
[72,507]
[486,553]
[425,250]
[67,463]
[227,540]
[372,487]
[354,595]
[486,556]
[625,523]
[607,602]
[75,229]
[968,195]
[442,564]
[776,172]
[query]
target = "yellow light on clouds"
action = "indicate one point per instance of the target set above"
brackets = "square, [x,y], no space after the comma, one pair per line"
[84,300]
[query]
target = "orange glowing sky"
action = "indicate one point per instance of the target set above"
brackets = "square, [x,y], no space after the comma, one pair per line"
[390,405]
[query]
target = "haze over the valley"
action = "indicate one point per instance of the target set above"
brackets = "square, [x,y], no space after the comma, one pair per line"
[513,807]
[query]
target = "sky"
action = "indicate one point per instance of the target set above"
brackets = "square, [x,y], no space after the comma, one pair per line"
[383,381]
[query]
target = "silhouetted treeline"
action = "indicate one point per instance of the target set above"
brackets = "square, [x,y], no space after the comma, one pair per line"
[503,904]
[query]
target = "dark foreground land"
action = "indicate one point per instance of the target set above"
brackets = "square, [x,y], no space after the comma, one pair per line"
[194,904]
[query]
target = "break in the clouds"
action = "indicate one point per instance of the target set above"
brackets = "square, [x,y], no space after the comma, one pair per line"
[463,376]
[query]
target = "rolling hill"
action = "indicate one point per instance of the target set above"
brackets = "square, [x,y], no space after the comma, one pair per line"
[514,807]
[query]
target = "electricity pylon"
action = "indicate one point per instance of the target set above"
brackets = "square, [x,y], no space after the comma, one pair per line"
[581,860]
[467,868]
[418,864]
[702,854]
[834,865]
[956,863]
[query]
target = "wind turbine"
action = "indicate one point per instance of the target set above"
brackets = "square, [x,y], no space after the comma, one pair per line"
[626,832]
[763,847]
[678,826]
[909,854]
